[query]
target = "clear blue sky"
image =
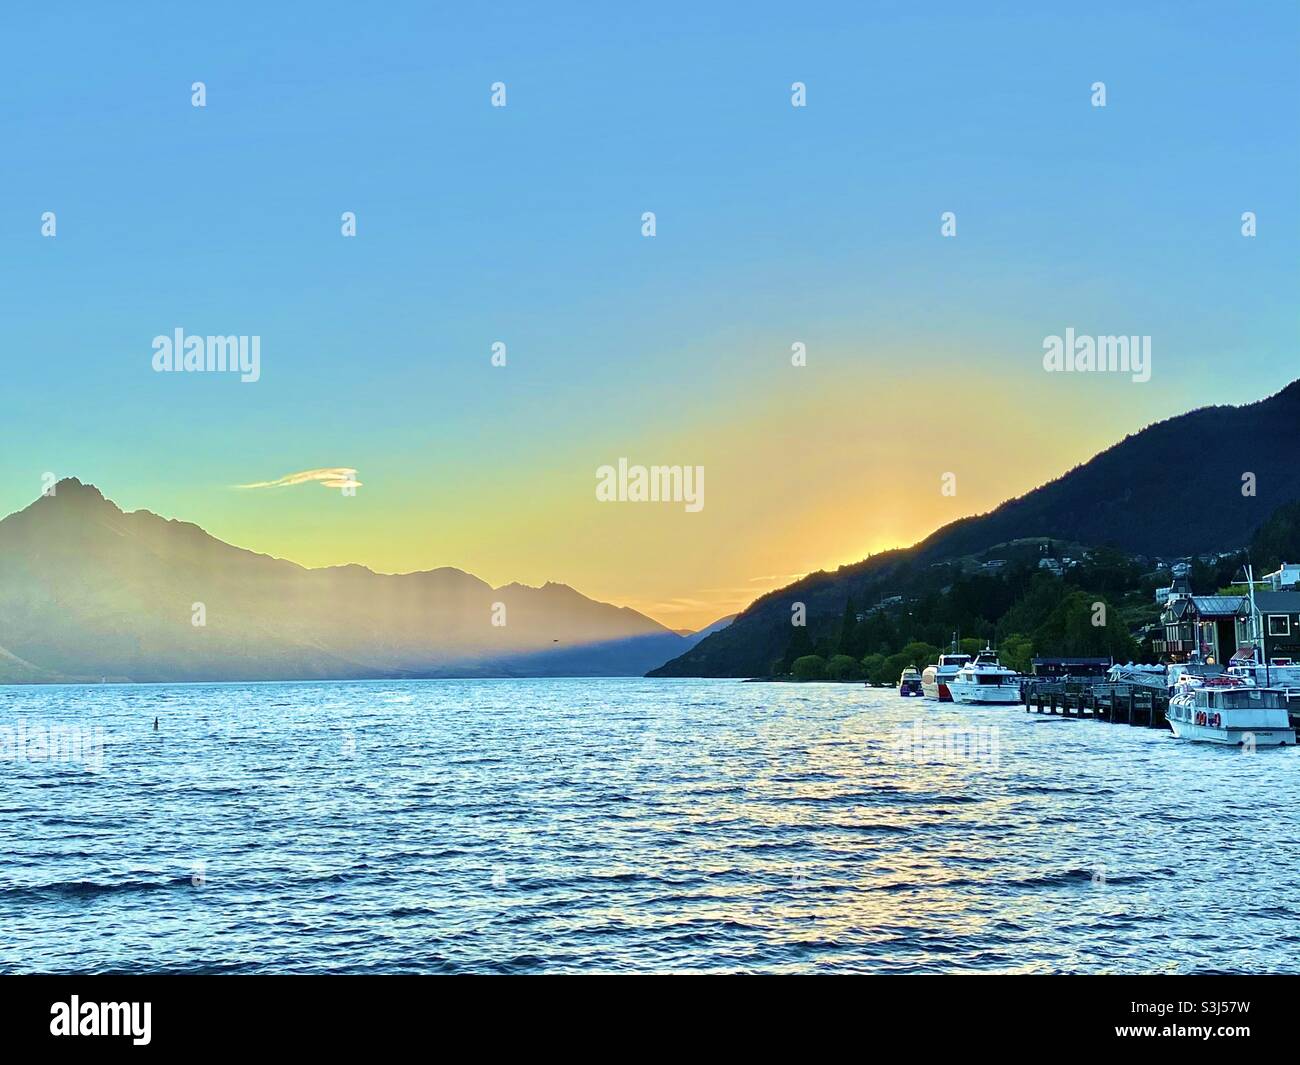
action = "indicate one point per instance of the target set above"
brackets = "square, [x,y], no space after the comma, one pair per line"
[522,224]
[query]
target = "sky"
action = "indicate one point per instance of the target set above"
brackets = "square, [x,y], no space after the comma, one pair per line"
[774,225]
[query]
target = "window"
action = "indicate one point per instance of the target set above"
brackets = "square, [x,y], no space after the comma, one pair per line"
[1279,624]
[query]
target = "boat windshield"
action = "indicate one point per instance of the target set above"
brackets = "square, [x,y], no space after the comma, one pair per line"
[1241,698]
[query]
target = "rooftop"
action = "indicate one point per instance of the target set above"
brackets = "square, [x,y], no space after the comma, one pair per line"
[1278,602]
[1217,605]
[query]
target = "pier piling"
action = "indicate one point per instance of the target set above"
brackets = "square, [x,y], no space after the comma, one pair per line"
[1128,704]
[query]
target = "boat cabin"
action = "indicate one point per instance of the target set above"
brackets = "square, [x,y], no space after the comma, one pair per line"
[1239,698]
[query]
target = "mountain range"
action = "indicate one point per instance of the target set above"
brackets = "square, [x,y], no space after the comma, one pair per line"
[1198,483]
[90,593]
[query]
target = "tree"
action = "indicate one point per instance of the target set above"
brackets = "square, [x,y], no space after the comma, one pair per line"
[1032,609]
[914,654]
[1278,539]
[1073,630]
[886,671]
[872,665]
[1108,571]
[1017,652]
[843,667]
[978,597]
[800,644]
[809,667]
[848,628]
[919,654]
[877,633]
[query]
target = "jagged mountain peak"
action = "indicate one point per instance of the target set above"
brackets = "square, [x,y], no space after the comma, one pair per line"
[87,591]
[72,489]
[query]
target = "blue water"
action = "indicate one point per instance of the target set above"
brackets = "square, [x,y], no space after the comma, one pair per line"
[628,825]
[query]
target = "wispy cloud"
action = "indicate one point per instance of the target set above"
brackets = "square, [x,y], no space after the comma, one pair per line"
[332,477]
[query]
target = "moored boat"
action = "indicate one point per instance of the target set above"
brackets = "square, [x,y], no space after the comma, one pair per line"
[909,683]
[1229,710]
[936,679]
[1275,673]
[985,680]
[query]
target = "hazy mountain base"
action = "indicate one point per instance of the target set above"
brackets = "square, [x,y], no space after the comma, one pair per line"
[88,592]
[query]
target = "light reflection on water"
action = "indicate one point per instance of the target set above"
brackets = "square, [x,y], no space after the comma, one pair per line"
[542,825]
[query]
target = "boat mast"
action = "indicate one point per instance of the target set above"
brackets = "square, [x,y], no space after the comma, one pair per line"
[1257,645]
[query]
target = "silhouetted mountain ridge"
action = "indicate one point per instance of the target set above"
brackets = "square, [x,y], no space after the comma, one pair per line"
[88,592]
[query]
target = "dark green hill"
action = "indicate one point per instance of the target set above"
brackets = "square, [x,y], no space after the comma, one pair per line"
[1172,490]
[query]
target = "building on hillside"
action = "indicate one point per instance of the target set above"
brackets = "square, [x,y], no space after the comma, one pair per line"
[1286,576]
[1199,624]
[1279,624]
[1217,627]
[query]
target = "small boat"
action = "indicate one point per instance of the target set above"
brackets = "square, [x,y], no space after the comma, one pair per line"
[910,682]
[1230,710]
[936,679]
[985,680]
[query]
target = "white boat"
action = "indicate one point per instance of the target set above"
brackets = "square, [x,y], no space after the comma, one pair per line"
[936,679]
[1183,683]
[985,680]
[1276,673]
[1230,710]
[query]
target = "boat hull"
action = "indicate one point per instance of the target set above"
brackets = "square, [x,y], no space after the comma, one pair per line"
[985,694]
[1232,737]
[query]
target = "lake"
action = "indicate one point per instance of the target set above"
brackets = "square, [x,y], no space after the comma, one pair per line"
[526,826]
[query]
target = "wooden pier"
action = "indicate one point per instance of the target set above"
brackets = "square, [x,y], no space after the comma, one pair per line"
[1119,704]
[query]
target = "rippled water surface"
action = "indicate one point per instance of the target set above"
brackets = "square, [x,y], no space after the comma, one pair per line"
[628,825]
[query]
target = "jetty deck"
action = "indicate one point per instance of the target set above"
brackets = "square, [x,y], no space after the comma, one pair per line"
[1119,704]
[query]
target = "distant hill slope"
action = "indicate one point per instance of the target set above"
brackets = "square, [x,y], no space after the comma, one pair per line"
[89,592]
[1173,489]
